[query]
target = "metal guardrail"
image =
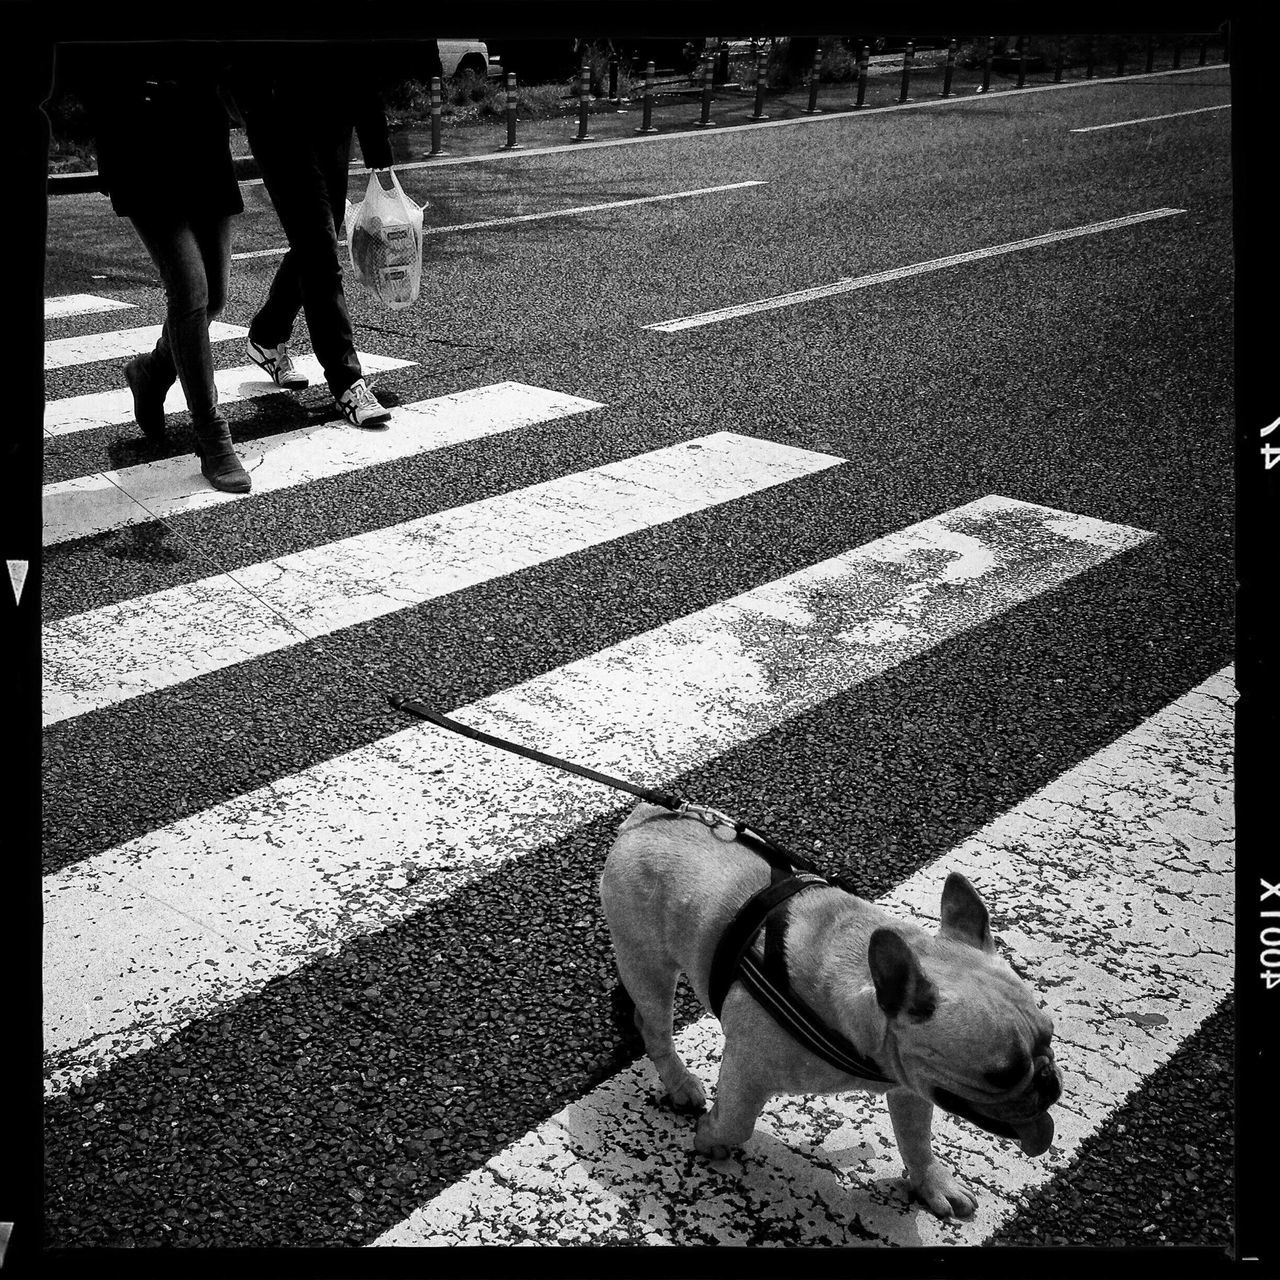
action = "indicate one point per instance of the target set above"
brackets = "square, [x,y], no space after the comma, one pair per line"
[699,86]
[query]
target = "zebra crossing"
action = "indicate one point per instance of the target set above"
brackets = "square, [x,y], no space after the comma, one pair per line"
[158,944]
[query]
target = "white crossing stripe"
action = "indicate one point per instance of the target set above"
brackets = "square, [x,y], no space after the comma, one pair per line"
[1113,887]
[848,284]
[119,651]
[1171,115]
[115,344]
[80,304]
[177,923]
[108,500]
[105,408]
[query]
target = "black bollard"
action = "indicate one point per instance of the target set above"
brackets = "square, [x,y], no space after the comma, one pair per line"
[1088,59]
[1022,61]
[619,103]
[584,99]
[907,59]
[812,108]
[985,87]
[708,69]
[1062,53]
[1151,53]
[1120,58]
[646,124]
[863,58]
[512,144]
[437,96]
[761,85]
[1204,51]
[1177,53]
[950,69]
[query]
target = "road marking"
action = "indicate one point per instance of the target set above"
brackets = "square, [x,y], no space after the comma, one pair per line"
[549,213]
[80,304]
[179,922]
[1172,115]
[1113,887]
[120,651]
[107,408]
[117,343]
[848,284]
[89,505]
[825,115]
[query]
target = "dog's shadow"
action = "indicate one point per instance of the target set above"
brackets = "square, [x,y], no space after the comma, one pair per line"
[631,1145]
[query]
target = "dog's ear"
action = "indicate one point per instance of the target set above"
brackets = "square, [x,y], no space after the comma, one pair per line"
[964,914]
[901,984]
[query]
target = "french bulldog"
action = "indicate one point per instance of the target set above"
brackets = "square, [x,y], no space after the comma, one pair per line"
[942,1014]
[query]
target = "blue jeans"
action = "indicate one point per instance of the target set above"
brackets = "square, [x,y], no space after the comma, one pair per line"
[194,261]
[303,156]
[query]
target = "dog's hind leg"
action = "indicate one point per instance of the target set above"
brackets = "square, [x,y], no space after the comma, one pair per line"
[650,981]
[653,992]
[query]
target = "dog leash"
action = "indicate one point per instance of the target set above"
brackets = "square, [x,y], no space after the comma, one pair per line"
[768,848]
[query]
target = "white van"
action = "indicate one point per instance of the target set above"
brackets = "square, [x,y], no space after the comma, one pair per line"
[460,56]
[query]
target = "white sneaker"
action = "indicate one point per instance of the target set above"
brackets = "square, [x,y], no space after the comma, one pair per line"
[360,408]
[277,362]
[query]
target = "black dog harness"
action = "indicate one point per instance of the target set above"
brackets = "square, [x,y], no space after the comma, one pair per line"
[767,980]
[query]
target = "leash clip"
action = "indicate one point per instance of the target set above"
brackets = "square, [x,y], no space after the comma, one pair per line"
[708,816]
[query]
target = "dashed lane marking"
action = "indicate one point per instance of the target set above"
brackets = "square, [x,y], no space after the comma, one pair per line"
[849,284]
[1112,886]
[548,213]
[1172,115]
[180,922]
[121,651]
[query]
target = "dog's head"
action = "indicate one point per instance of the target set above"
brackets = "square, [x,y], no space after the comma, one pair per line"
[964,1030]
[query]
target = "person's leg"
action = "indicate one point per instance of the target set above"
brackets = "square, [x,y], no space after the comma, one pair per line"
[300,159]
[183,258]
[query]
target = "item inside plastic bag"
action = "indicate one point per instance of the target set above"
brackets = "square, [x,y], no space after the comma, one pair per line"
[384,241]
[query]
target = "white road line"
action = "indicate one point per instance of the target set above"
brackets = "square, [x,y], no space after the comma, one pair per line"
[180,922]
[89,505]
[548,213]
[1172,115]
[118,343]
[121,651]
[825,115]
[106,408]
[1114,888]
[848,284]
[80,304]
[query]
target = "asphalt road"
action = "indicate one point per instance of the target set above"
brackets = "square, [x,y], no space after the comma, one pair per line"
[1090,374]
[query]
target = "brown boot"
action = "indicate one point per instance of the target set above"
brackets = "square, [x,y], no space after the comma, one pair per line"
[148,401]
[218,461]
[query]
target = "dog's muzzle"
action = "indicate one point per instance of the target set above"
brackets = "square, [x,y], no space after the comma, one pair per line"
[1033,1136]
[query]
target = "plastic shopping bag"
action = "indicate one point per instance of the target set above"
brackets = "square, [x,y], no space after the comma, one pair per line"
[384,241]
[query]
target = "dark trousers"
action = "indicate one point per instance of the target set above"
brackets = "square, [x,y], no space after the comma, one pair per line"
[303,157]
[193,257]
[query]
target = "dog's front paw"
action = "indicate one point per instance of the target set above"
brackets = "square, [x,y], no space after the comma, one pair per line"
[706,1145]
[686,1093]
[942,1194]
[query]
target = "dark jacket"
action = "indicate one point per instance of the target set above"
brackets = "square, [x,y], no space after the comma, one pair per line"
[333,81]
[160,122]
